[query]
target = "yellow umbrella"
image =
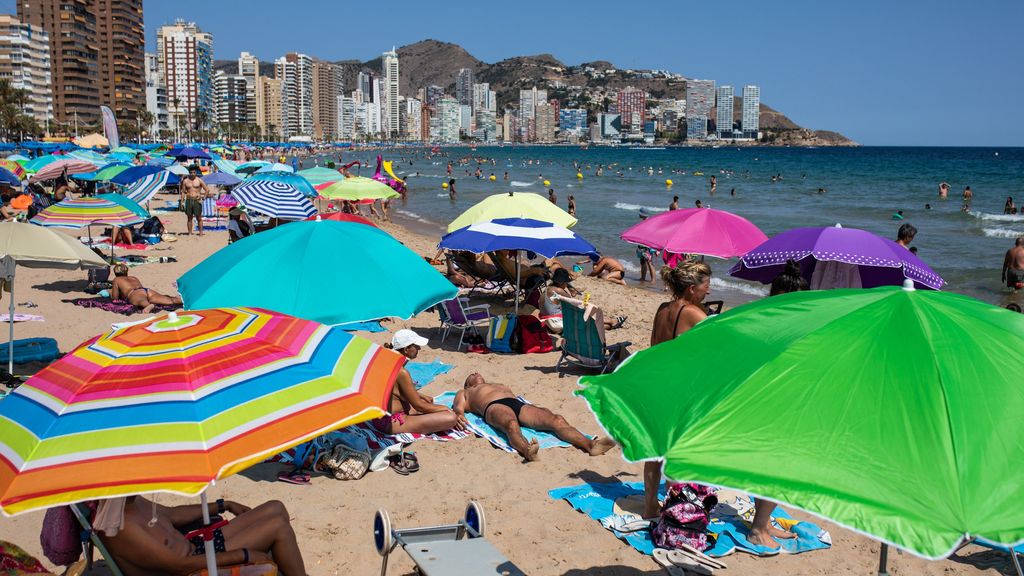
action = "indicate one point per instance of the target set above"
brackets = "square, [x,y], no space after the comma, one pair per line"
[513,205]
[358,188]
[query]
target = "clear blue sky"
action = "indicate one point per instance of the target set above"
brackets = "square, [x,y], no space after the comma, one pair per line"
[915,72]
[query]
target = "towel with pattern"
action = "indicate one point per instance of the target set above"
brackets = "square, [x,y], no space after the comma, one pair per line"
[365,436]
[116,306]
[498,438]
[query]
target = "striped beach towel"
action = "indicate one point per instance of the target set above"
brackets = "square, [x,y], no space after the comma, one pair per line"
[365,433]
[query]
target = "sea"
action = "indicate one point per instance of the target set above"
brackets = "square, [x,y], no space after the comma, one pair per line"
[863,188]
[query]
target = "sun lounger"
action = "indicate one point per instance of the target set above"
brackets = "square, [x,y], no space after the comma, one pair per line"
[456,314]
[583,343]
[484,278]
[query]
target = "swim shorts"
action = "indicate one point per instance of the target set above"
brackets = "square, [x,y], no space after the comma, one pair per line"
[193,208]
[1014,278]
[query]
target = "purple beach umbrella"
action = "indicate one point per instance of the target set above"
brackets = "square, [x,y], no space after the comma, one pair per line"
[881,262]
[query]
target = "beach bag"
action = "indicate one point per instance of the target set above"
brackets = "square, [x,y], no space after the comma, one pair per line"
[347,463]
[60,536]
[532,337]
[500,332]
[685,517]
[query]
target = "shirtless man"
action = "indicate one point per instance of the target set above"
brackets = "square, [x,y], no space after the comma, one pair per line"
[968,196]
[610,269]
[1013,265]
[675,203]
[192,191]
[499,407]
[943,190]
[129,289]
[144,548]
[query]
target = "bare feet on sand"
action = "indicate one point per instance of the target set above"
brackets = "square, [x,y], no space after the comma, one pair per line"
[532,451]
[601,445]
[767,538]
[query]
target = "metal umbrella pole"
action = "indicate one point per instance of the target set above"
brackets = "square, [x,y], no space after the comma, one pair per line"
[518,270]
[211,554]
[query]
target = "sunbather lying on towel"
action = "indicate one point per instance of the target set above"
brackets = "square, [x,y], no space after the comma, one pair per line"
[129,289]
[144,540]
[499,407]
[410,410]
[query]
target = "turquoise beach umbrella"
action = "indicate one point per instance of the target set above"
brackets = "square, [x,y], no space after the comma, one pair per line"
[36,164]
[327,271]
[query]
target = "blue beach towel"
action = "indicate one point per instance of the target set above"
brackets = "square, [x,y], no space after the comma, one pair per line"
[371,326]
[727,520]
[423,373]
[484,430]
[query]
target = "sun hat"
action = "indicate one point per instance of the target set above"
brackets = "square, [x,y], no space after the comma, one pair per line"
[405,338]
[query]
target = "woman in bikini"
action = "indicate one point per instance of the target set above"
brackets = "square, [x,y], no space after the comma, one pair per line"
[130,289]
[409,410]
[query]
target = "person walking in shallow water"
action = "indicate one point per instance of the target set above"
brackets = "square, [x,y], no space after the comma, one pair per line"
[451,189]
[572,206]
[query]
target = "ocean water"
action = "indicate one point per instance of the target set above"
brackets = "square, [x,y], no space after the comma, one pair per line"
[864,188]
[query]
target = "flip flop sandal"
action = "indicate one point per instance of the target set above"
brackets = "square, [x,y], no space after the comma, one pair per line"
[699,556]
[294,477]
[661,557]
[634,526]
[411,463]
[619,322]
[397,464]
[681,565]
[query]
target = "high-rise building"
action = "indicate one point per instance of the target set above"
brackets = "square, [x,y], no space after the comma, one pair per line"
[156,97]
[633,108]
[465,119]
[545,121]
[412,118]
[249,68]
[444,125]
[284,72]
[363,81]
[700,97]
[611,126]
[300,113]
[25,63]
[723,112]
[186,58]
[327,86]
[229,98]
[573,120]
[484,98]
[74,56]
[464,87]
[121,40]
[528,100]
[269,105]
[346,118]
[391,107]
[434,95]
[751,111]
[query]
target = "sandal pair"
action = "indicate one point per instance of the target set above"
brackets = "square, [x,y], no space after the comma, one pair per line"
[404,463]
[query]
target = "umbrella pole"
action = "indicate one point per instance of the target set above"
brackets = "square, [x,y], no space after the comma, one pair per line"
[10,328]
[1016,562]
[211,555]
[883,560]
[517,283]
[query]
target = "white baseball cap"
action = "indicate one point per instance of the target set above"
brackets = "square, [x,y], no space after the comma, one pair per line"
[405,338]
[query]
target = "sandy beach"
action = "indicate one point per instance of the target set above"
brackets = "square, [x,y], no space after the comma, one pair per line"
[540,535]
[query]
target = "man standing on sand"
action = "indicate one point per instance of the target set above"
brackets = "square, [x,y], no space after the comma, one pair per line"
[191,193]
[1013,265]
[499,407]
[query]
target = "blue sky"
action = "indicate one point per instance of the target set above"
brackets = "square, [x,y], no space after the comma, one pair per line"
[943,72]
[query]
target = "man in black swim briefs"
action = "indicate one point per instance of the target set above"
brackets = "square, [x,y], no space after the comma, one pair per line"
[499,407]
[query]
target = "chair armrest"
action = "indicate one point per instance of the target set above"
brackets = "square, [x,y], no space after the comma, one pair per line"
[485,307]
[618,345]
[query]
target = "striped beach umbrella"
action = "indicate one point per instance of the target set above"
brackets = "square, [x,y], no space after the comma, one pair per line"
[181,400]
[15,168]
[54,170]
[127,203]
[143,189]
[275,199]
[292,179]
[37,164]
[85,212]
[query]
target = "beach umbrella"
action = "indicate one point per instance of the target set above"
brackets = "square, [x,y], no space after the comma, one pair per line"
[35,247]
[513,205]
[697,231]
[76,213]
[8,178]
[178,170]
[188,153]
[124,150]
[126,203]
[357,188]
[37,164]
[92,141]
[342,217]
[275,199]
[107,173]
[133,173]
[14,168]
[143,189]
[226,166]
[320,175]
[276,167]
[228,201]
[160,161]
[292,179]
[250,167]
[18,158]
[313,264]
[221,179]
[893,411]
[177,402]
[88,156]
[880,261]
[54,170]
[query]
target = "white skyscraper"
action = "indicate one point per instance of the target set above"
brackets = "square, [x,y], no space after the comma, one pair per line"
[156,96]
[751,111]
[284,72]
[444,125]
[464,86]
[412,127]
[391,110]
[185,54]
[25,63]
[249,68]
[723,112]
[346,118]
[528,101]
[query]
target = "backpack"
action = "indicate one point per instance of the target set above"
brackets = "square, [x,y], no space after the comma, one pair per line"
[685,517]
[532,337]
[500,332]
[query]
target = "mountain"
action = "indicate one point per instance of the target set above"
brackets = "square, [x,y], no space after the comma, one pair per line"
[433,62]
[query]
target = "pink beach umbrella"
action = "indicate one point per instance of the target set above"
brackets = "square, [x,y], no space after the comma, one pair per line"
[697,231]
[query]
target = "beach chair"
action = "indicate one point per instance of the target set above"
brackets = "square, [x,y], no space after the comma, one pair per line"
[583,343]
[483,279]
[713,307]
[456,314]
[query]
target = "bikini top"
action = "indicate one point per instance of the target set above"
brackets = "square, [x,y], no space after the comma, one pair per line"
[675,325]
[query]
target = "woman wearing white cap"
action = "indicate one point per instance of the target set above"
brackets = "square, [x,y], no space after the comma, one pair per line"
[410,410]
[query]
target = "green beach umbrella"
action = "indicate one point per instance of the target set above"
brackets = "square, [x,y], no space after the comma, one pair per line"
[109,172]
[357,188]
[320,175]
[891,411]
[513,205]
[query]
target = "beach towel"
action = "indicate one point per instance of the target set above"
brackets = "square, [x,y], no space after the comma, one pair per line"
[371,326]
[497,438]
[21,318]
[116,306]
[616,504]
[423,373]
[364,436]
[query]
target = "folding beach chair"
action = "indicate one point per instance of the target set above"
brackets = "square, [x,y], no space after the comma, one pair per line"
[583,342]
[456,314]
[482,279]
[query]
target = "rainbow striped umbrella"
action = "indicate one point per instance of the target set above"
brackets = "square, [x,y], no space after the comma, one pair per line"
[178,401]
[85,212]
[15,168]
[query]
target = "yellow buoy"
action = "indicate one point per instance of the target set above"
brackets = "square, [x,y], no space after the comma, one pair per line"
[444,185]
[493,178]
[668,182]
[579,175]
[547,183]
